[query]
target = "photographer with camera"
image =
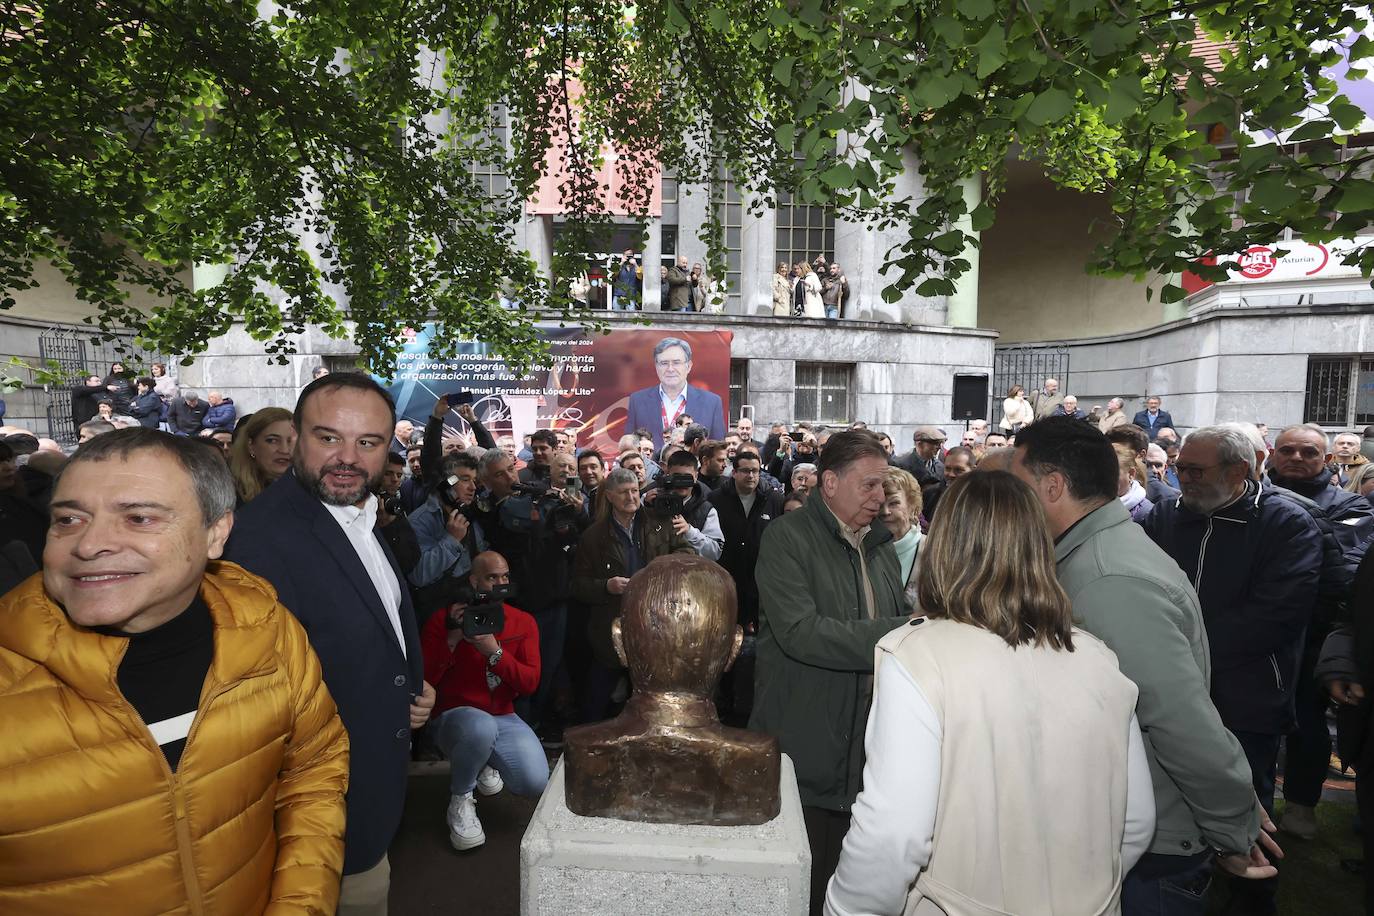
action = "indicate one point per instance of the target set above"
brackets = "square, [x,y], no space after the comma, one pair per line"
[535,525]
[797,447]
[543,446]
[685,502]
[392,523]
[440,440]
[448,536]
[481,654]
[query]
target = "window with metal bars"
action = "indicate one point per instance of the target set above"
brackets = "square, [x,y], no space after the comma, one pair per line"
[487,168]
[739,387]
[821,392]
[804,231]
[1329,390]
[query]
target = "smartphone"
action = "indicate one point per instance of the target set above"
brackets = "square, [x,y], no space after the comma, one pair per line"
[574,485]
[459,398]
[746,410]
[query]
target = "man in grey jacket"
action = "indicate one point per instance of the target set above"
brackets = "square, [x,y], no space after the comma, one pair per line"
[1128,593]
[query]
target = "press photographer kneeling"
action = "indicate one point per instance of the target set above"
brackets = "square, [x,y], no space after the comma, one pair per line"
[480,655]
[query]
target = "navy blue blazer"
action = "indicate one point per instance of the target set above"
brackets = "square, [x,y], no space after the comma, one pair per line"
[1162,420]
[705,407]
[288,537]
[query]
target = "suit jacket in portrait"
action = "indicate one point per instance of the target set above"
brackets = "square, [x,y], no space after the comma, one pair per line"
[288,537]
[705,407]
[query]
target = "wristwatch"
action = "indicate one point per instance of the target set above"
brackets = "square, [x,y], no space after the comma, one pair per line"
[495,657]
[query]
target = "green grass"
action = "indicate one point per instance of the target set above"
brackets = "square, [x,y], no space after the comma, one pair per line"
[1311,882]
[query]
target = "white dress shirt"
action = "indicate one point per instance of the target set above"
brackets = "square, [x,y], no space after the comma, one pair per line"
[358,524]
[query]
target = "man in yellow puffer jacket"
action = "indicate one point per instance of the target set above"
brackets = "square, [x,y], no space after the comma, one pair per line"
[169,744]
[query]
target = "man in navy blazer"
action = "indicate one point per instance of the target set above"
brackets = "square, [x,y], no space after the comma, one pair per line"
[312,535]
[1152,419]
[657,408]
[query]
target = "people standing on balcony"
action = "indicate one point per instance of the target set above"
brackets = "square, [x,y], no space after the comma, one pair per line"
[1047,399]
[577,291]
[834,291]
[806,293]
[629,280]
[679,286]
[782,291]
[662,288]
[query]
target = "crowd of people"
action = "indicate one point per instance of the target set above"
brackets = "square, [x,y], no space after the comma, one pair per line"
[815,289]
[1118,628]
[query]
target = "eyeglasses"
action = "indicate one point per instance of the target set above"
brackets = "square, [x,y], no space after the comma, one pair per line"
[1195,470]
[672,363]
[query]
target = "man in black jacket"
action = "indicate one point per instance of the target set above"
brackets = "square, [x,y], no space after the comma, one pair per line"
[744,511]
[1255,559]
[1298,463]
[311,534]
[923,461]
[186,416]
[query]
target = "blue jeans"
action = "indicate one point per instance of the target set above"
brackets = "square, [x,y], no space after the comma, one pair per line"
[624,303]
[832,311]
[472,739]
[1162,885]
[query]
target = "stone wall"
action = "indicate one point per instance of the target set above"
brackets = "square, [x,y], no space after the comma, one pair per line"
[1247,364]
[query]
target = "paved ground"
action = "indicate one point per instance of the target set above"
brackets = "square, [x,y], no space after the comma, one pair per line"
[429,877]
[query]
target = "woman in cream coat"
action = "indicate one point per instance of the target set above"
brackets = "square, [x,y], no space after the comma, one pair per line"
[812,306]
[782,292]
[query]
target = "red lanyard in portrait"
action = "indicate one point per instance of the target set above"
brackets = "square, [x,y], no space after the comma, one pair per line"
[668,424]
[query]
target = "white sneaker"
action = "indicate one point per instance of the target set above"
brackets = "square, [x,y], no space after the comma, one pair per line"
[464,829]
[489,782]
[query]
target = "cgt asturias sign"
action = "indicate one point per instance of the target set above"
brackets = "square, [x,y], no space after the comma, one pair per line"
[1304,260]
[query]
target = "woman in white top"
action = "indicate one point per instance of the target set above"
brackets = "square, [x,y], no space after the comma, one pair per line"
[1016,410]
[901,513]
[1005,771]
[810,284]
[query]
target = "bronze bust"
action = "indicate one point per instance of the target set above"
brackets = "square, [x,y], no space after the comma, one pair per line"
[667,759]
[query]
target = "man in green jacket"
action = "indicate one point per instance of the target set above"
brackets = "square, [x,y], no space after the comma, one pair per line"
[1131,595]
[829,588]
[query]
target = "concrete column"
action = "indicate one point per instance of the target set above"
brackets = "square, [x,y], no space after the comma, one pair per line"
[758,241]
[694,201]
[649,257]
[963,305]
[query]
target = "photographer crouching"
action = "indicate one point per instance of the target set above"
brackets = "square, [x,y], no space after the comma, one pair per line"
[481,654]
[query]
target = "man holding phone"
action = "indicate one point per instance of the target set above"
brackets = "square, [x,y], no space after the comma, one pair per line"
[477,676]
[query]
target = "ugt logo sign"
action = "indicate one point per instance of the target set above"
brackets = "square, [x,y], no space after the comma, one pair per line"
[1257,262]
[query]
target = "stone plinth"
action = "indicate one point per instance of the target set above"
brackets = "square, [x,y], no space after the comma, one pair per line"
[571,865]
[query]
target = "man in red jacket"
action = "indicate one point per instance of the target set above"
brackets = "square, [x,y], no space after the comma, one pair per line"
[477,679]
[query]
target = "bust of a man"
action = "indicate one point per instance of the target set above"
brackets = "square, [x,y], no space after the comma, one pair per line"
[667,759]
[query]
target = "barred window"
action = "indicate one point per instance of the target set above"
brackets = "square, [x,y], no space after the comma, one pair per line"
[739,387]
[821,392]
[804,231]
[488,168]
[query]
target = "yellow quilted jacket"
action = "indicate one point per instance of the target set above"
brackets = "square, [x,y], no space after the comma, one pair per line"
[92,820]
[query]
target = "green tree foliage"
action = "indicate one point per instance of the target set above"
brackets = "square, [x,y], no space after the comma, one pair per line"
[324,147]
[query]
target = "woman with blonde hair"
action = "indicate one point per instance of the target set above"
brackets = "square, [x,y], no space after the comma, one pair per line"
[261,451]
[782,291]
[1016,410]
[806,293]
[1131,479]
[1005,771]
[901,513]
[1361,479]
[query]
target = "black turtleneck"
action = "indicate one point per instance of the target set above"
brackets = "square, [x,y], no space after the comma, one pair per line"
[163,672]
[1310,487]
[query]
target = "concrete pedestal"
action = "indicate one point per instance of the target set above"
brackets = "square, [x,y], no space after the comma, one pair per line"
[572,865]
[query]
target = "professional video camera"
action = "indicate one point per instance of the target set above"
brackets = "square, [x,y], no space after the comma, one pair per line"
[666,502]
[485,613]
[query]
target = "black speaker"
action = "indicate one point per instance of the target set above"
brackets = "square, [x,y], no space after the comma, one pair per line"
[970,397]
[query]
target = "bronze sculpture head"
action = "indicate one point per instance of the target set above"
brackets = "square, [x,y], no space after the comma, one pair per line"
[667,758]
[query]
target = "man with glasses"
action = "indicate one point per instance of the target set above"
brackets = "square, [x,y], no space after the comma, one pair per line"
[1254,557]
[659,407]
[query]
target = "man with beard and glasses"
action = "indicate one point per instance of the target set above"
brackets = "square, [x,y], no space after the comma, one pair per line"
[311,535]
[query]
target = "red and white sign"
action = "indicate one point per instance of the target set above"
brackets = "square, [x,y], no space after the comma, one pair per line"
[1302,261]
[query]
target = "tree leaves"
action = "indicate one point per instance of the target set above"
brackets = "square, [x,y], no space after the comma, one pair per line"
[1052,105]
